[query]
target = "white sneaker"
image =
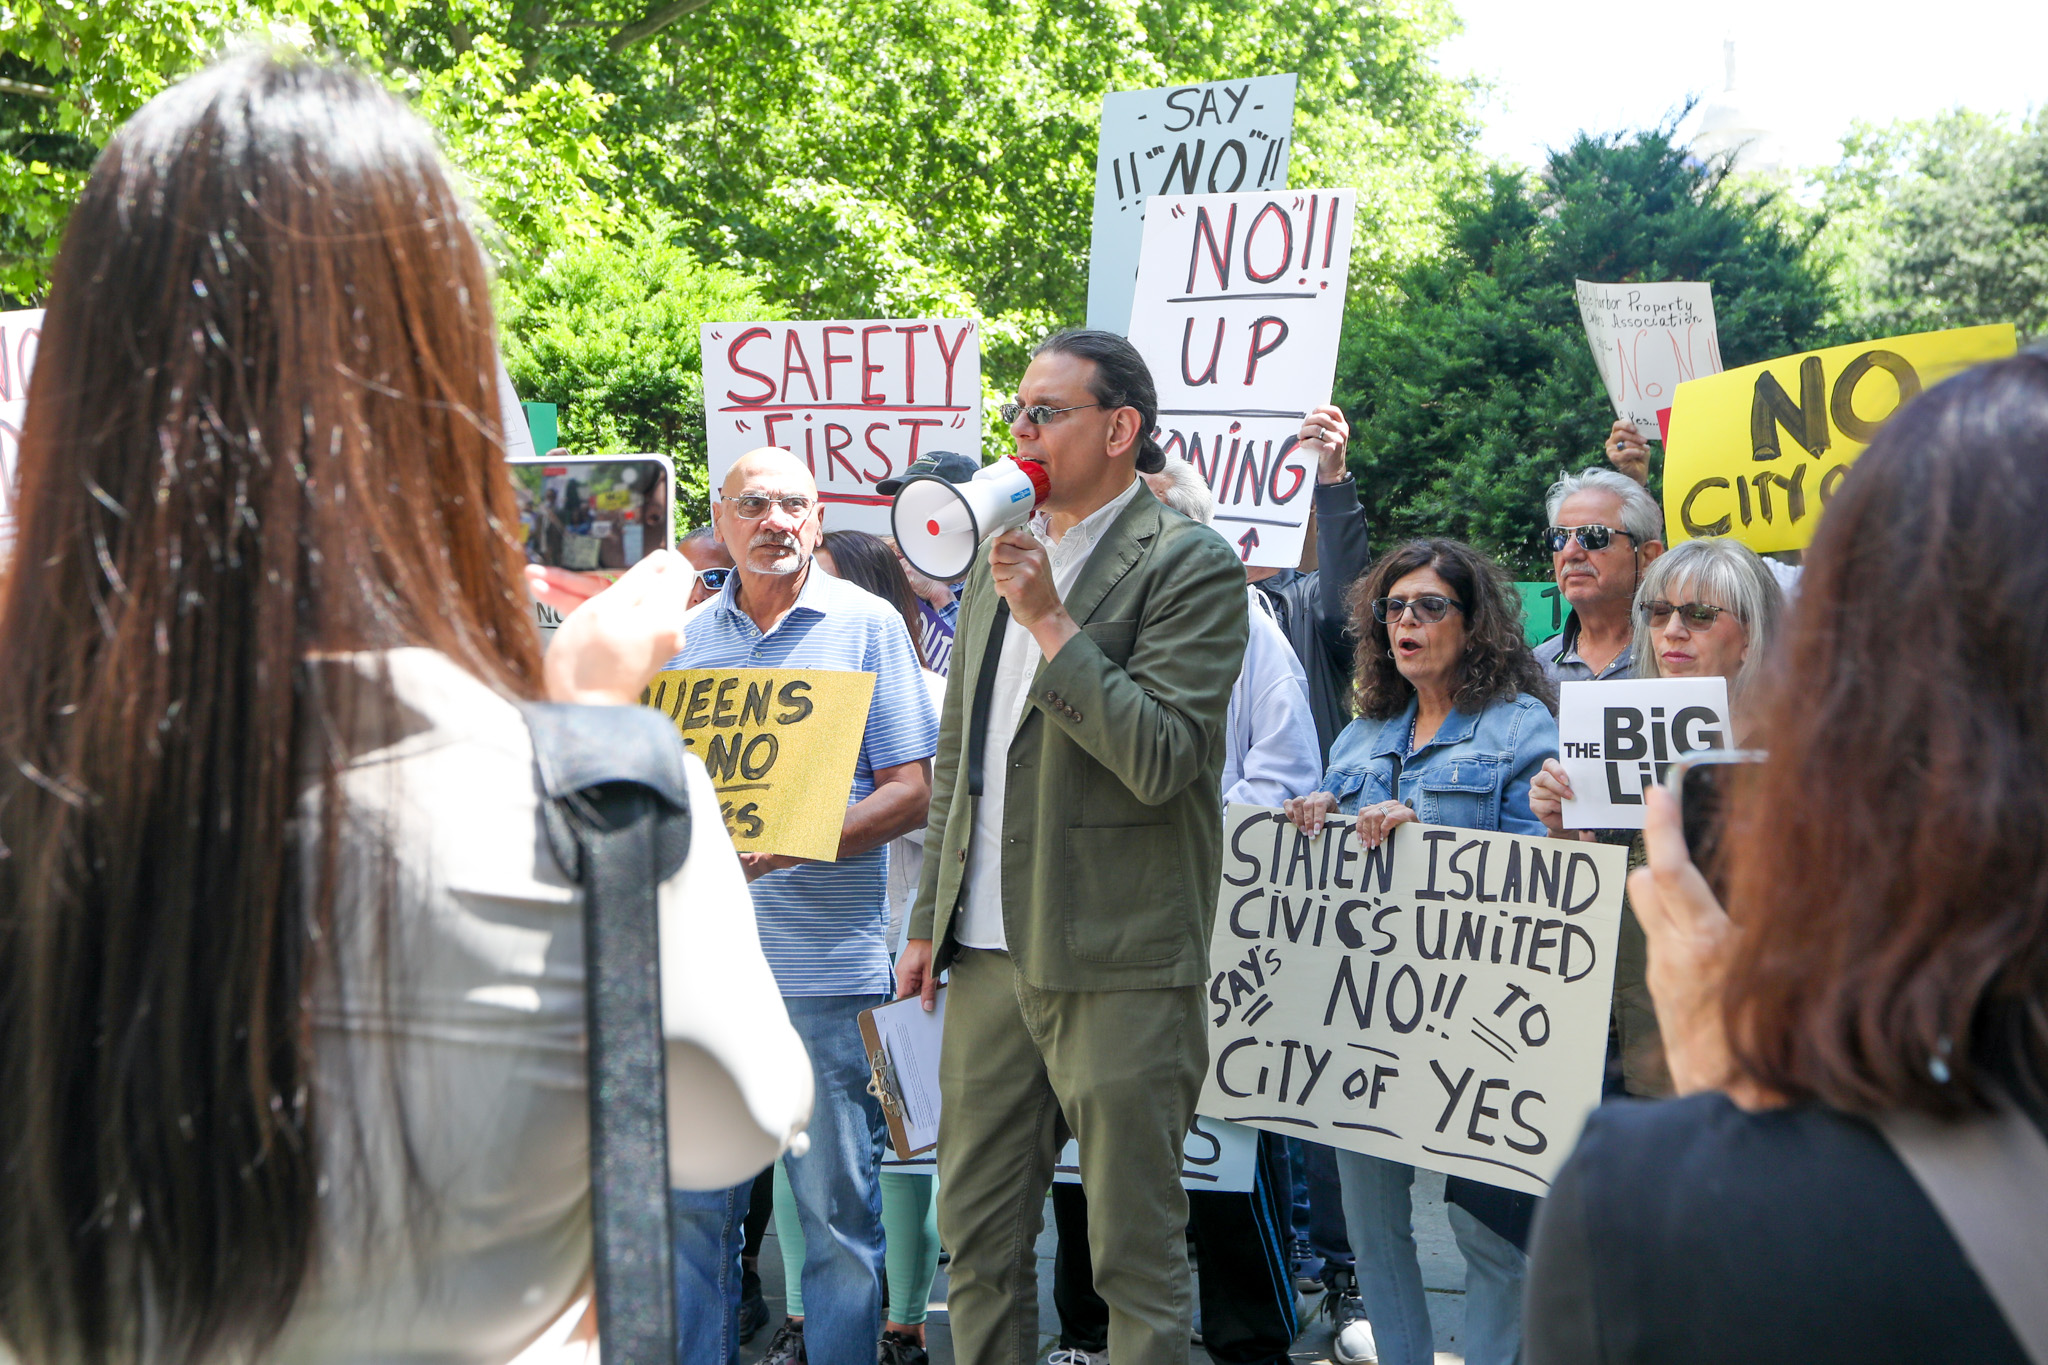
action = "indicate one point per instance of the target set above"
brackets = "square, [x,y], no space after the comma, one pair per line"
[1355,1344]
[1068,1355]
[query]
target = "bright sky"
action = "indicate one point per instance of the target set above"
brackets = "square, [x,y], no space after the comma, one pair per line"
[1605,65]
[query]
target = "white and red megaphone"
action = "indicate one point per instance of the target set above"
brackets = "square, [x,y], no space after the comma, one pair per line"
[938,524]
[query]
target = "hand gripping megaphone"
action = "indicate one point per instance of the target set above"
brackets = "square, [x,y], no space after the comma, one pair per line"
[938,524]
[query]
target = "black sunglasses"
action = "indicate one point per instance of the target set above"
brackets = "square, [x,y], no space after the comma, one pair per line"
[1696,615]
[1428,610]
[1594,537]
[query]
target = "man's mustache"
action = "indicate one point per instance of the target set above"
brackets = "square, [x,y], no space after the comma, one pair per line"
[777,539]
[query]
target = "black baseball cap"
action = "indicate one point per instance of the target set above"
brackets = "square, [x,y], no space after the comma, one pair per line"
[942,464]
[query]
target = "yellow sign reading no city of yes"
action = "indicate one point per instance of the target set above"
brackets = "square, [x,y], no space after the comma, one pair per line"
[781,744]
[1756,453]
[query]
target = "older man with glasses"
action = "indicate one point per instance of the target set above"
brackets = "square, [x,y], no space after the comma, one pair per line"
[823,925]
[1604,531]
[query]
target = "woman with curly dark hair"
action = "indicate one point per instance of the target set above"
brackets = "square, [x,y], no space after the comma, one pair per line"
[1455,718]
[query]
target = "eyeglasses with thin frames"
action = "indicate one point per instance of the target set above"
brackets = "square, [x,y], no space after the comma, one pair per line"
[1428,609]
[753,506]
[1038,414]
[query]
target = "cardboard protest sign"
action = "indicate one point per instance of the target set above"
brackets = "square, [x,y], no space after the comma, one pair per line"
[1216,138]
[781,744]
[1648,339]
[856,401]
[1239,305]
[1617,739]
[20,333]
[1440,1000]
[1756,453]
[1543,609]
[1215,1155]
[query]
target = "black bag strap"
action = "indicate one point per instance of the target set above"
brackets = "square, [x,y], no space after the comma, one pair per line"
[984,692]
[618,820]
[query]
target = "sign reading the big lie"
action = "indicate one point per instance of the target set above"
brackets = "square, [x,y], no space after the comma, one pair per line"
[1440,1000]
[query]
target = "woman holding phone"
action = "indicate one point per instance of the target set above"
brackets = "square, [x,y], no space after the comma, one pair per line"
[1455,719]
[1879,969]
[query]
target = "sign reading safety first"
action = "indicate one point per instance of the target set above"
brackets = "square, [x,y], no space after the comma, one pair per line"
[1440,1000]
[1756,453]
[781,745]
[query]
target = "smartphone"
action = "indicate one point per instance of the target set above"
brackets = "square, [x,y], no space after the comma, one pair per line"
[594,513]
[1700,782]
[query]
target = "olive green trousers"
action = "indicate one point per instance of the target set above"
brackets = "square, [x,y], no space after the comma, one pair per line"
[1020,1067]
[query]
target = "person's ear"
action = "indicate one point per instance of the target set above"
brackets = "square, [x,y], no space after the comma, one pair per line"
[1123,433]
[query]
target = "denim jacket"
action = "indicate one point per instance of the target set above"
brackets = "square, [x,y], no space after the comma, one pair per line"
[1474,773]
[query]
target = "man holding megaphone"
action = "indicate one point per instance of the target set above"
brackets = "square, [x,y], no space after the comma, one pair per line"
[1077,851]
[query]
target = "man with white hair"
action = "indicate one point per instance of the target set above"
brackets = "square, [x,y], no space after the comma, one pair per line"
[1604,530]
[823,926]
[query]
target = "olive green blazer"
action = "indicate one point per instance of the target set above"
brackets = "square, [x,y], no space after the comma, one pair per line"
[1112,827]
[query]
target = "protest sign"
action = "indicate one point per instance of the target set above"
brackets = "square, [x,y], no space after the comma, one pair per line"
[1616,740]
[1440,1000]
[781,745]
[1543,609]
[20,333]
[1190,139]
[1215,1155]
[1756,453]
[1647,339]
[856,401]
[1239,305]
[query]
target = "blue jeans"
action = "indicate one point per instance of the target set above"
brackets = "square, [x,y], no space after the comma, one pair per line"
[706,1228]
[1378,1215]
[837,1184]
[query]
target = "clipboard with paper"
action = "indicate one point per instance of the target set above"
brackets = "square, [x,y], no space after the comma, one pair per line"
[901,1041]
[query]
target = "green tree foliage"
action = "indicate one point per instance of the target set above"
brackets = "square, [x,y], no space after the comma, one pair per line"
[1942,223]
[901,157]
[1471,385]
[608,330]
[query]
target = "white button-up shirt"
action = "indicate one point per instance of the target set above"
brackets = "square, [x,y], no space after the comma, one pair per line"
[981,915]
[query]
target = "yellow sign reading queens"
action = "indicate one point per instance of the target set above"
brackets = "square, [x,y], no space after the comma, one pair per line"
[781,744]
[1756,453]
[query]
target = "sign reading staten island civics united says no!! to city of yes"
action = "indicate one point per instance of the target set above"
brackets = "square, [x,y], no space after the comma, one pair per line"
[1756,453]
[1440,1000]
[1239,308]
[781,745]
[855,401]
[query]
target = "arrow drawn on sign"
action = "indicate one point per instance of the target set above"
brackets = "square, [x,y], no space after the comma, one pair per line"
[1248,542]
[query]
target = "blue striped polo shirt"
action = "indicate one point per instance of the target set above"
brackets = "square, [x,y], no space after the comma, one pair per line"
[824,926]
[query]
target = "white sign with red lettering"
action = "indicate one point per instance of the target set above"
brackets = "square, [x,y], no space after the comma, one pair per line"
[856,401]
[1239,306]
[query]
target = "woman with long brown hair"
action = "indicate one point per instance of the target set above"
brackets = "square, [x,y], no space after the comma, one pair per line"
[1884,952]
[290,988]
[1455,719]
